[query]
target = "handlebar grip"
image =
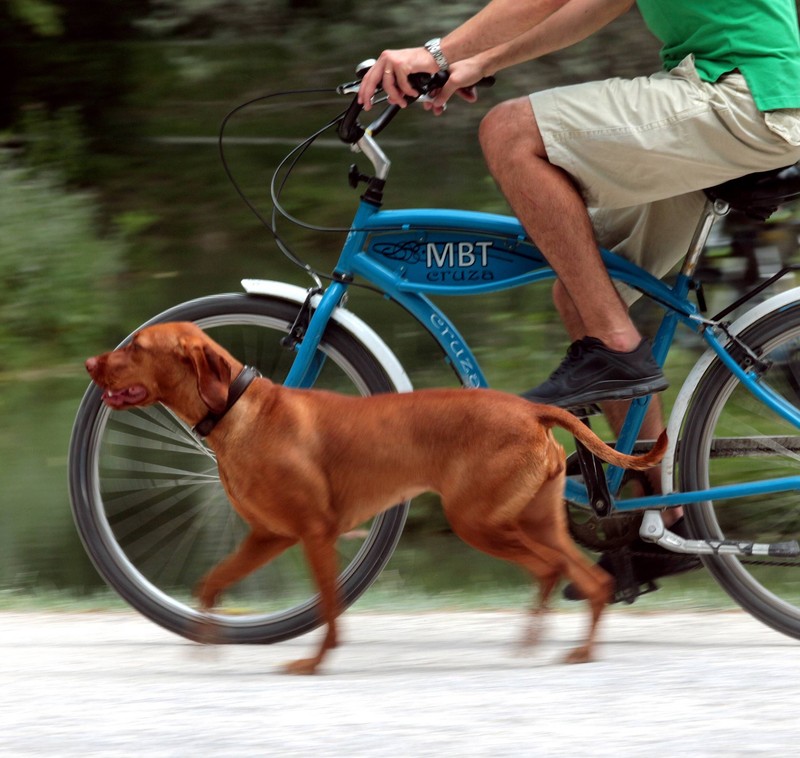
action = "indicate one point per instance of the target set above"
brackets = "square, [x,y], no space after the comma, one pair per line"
[349,130]
[425,83]
[487,81]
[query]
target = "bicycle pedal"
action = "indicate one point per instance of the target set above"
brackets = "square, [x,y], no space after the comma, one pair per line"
[629,594]
[627,588]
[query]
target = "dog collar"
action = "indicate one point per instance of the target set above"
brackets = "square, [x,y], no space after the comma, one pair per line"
[236,390]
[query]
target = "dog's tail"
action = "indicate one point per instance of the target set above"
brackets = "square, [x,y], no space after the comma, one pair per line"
[552,416]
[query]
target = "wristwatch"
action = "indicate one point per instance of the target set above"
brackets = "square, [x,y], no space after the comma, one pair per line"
[433,46]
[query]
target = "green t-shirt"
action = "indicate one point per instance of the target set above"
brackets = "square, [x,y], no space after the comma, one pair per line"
[758,37]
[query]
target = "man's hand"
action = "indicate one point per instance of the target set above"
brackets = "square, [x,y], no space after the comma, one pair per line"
[463,76]
[391,71]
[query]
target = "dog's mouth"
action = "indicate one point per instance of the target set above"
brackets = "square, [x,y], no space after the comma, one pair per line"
[125,398]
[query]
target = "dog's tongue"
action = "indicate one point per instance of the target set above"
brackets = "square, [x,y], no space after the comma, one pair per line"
[122,398]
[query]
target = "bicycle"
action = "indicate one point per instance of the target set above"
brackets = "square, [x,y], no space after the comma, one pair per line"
[153,516]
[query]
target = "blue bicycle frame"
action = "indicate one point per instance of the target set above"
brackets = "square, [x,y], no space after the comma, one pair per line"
[411,254]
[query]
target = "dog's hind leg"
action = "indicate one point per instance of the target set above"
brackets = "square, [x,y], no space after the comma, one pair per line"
[505,541]
[547,582]
[321,553]
[543,529]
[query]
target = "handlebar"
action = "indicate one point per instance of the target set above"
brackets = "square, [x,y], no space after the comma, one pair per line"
[350,130]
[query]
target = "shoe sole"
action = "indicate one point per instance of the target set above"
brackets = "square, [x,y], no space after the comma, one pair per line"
[608,392]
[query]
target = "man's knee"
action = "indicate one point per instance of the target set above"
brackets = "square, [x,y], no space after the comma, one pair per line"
[493,127]
[507,127]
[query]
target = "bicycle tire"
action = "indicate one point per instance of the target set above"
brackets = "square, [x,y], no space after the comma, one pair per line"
[153,517]
[730,436]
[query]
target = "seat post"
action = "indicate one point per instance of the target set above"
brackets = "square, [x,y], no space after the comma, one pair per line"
[712,212]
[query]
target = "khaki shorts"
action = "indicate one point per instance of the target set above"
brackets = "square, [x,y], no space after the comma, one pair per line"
[642,150]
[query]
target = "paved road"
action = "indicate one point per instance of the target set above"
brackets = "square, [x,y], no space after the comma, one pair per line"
[428,684]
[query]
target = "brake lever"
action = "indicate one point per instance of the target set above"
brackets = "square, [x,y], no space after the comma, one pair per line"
[351,88]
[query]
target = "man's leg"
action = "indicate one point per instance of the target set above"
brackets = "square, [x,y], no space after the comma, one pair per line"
[610,359]
[551,209]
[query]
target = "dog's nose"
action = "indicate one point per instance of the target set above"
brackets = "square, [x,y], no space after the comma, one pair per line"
[91,365]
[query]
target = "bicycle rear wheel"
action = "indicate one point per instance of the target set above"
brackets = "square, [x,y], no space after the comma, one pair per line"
[730,437]
[154,518]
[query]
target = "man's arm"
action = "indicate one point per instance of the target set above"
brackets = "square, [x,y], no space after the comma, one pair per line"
[573,22]
[496,23]
[503,33]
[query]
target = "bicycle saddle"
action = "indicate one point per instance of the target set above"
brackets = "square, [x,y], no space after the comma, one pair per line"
[759,195]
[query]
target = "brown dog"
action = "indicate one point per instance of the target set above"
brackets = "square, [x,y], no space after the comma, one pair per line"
[341,460]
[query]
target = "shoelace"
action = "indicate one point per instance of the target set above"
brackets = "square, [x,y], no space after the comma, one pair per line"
[574,353]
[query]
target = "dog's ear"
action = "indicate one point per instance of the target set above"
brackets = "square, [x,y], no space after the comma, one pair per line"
[213,374]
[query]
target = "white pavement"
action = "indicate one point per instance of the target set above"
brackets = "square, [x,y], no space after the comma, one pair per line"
[402,685]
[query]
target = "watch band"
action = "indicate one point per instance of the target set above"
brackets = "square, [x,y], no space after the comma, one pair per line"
[433,46]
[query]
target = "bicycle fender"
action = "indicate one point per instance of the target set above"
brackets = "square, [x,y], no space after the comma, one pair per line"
[690,384]
[344,318]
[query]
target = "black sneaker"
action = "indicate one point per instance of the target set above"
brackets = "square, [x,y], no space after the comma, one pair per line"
[591,373]
[644,562]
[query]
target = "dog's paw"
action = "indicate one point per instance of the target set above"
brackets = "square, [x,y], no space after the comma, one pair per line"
[533,632]
[582,654]
[302,667]
[204,630]
[206,595]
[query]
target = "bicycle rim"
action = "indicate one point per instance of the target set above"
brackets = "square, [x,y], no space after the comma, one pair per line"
[154,517]
[730,437]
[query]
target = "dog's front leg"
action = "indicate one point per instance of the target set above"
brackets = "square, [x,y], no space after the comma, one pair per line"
[255,550]
[321,554]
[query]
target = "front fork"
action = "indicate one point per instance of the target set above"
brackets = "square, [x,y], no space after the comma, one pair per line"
[306,334]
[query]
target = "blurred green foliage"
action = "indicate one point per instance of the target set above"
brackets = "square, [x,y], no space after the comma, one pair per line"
[41,16]
[56,142]
[56,270]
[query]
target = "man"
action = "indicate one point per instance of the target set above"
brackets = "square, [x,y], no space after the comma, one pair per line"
[619,162]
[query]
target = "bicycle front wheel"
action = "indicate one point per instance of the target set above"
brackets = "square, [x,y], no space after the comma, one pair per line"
[154,517]
[730,437]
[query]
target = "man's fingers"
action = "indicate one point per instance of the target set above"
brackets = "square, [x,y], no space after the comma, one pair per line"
[470,94]
[368,86]
[392,86]
[391,71]
[442,96]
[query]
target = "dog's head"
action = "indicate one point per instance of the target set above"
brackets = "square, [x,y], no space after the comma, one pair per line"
[176,364]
